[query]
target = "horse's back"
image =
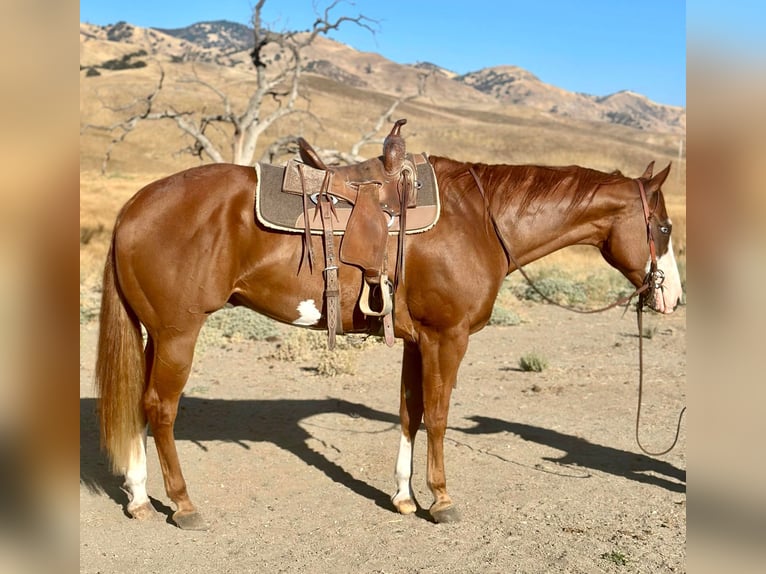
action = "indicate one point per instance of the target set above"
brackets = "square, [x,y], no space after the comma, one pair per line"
[190,194]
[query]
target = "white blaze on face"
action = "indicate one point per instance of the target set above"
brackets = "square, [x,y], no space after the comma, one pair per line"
[308,314]
[666,298]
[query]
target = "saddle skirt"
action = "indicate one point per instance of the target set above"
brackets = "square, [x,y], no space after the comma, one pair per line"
[279,201]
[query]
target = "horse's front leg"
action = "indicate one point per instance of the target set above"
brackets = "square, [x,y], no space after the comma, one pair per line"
[441,355]
[410,415]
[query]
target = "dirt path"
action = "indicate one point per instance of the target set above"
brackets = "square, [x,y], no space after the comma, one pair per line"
[293,471]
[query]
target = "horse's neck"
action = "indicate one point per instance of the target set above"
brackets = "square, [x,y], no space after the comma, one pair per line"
[546,225]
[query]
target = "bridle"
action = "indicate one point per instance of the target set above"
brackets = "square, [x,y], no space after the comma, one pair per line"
[653,280]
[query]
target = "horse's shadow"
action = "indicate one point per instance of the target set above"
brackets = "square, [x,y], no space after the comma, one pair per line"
[278,422]
[238,421]
[585,454]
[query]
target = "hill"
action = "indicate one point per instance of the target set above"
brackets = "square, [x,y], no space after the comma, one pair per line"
[228,44]
[512,84]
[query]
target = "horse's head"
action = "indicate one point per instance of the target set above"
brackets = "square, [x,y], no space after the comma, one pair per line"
[628,246]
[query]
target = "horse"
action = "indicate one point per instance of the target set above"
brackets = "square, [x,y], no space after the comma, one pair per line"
[188,244]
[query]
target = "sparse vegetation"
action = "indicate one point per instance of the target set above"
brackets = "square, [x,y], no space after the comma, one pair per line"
[237,324]
[562,290]
[562,280]
[533,362]
[89,232]
[615,557]
[126,62]
[504,317]
[307,345]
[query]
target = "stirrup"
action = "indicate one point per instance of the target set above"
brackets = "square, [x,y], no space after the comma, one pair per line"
[386,290]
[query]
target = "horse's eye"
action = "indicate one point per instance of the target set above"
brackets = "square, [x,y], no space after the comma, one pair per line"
[665,229]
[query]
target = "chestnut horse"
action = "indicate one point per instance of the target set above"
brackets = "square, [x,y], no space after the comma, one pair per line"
[188,244]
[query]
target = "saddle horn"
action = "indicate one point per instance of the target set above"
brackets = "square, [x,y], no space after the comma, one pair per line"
[394,149]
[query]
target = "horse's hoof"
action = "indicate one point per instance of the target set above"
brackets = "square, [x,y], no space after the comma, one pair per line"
[143,511]
[444,515]
[406,506]
[189,520]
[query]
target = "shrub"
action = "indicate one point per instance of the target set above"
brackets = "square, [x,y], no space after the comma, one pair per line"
[562,290]
[615,557]
[88,232]
[303,344]
[533,362]
[237,323]
[504,317]
[126,62]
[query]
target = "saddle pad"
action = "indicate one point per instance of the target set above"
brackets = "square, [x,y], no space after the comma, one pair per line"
[282,211]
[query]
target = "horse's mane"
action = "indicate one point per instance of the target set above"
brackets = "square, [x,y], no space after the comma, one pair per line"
[525,185]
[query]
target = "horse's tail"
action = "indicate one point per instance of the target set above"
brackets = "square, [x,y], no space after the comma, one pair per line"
[120,372]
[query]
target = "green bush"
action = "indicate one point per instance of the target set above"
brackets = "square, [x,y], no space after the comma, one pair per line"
[125,63]
[504,317]
[237,323]
[562,290]
[533,362]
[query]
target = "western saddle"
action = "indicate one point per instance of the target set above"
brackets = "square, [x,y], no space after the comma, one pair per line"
[380,190]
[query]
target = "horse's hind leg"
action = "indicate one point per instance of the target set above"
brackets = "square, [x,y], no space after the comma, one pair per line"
[170,368]
[410,415]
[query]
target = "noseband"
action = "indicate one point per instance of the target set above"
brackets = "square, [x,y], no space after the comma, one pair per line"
[653,279]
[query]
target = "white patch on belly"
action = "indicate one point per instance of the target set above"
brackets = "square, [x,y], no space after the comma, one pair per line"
[309,314]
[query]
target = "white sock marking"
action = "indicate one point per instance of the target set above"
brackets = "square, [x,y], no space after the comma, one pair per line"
[403,471]
[135,475]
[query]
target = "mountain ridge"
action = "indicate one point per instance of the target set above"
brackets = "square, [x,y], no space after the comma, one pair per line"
[228,44]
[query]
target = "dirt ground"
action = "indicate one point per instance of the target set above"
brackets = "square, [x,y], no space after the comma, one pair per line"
[293,471]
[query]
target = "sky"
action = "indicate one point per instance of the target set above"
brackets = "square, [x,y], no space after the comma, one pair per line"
[597,47]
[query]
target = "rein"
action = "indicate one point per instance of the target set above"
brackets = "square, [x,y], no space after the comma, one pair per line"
[654,278]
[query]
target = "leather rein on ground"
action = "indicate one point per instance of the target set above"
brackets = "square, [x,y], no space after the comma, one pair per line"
[654,279]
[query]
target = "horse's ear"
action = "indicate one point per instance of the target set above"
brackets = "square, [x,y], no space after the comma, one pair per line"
[648,171]
[656,182]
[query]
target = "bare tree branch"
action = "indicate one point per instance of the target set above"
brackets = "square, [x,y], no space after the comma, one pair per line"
[278,66]
[128,125]
[386,117]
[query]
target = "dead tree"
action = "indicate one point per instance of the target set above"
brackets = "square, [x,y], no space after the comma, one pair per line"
[278,67]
